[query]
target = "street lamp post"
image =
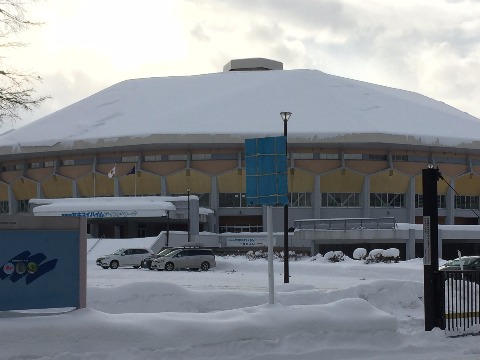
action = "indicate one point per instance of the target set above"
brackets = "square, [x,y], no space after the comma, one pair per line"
[188,213]
[286,276]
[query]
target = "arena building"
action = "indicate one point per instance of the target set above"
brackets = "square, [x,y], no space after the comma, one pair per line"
[355,150]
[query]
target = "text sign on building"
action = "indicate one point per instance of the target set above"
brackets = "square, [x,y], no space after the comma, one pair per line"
[43,263]
[245,241]
[266,171]
[427,241]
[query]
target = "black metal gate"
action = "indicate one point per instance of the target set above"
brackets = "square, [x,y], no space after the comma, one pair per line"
[461,298]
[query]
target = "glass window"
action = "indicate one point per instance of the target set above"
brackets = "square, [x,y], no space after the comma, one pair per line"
[387,200]
[35,165]
[201,157]
[303,156]
[327,156]
[376,157]
[300,199]
[88,161]
[467,202]
[109,160]
[4,208]
[129,159]
[352,156]
[340,200]
[23,206]
[397,157]
[441,201]
[177,157]
[232,200]
[68,162]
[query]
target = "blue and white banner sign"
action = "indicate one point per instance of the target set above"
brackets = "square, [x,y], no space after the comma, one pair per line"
[266,171]
[44,267]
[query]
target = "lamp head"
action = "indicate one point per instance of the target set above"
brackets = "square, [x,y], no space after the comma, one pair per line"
[285,115]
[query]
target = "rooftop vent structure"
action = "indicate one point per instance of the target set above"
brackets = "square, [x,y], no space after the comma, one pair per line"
[252,64]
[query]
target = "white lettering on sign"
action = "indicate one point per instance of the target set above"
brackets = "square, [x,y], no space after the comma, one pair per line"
[103,214]
[246,242]
[427,241]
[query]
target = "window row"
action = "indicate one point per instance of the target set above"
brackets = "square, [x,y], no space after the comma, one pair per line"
[304,200]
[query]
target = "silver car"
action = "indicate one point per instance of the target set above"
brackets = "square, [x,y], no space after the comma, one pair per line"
[193,258]
[124,257]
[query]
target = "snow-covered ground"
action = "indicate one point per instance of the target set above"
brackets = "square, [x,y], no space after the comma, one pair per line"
[346,310]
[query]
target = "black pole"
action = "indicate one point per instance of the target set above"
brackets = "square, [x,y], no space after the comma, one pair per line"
[168,227]
[432,298]
[188,213]
[286,276]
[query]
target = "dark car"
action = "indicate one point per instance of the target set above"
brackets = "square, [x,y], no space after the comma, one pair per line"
[465,262]
[146,263]
[464,268]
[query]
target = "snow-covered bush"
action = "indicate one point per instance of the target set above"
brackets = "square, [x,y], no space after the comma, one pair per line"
[390,255]
[374,256]
[334,256]
[262,254]
[360,254]
[380,255]
[317,257]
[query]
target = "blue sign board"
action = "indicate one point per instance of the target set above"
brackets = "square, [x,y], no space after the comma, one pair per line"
[266,168]
[41,268]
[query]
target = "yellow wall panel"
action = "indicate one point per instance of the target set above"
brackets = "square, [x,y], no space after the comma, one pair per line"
[214,167]
[103,185]
[366,167]
[57,187]
[409,168]
[442,186]
[468,185]
[3,192]
[75,172]
[231,182]
[197,182]
[342,181]
[452,169]
[164,168]
[317,166]
[24,189]
[10,176]
[384,183]
[141,183]
[300,181]
[39,174]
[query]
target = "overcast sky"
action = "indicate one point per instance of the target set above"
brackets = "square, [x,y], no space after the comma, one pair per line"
[427,46]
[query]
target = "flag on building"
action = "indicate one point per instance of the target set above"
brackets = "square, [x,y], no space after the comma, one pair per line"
[133,171]
[111,174]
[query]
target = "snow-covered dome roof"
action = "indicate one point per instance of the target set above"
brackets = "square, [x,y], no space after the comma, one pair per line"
[225,108]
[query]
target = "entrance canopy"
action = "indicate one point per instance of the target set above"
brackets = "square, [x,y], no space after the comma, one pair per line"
[104,207]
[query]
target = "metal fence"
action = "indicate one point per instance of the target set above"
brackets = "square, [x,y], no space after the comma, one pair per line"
[461,301]
[346,224]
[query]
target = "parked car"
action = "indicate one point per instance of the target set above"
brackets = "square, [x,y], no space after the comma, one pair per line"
[468,263]
[186,258]
[470,266]
[146,262]
[124,257]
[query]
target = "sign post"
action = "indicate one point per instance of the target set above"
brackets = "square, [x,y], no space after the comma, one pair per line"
[267,184]
[432,300]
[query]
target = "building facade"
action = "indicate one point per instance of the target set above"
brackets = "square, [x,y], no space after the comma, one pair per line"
[334,175]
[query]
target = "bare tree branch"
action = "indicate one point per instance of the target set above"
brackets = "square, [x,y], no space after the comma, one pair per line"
[16,87]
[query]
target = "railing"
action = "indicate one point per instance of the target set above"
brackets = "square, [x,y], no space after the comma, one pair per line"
[461,301]
[346,224]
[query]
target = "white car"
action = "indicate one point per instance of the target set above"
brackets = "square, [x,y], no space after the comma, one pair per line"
[193,258]
[124,257]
